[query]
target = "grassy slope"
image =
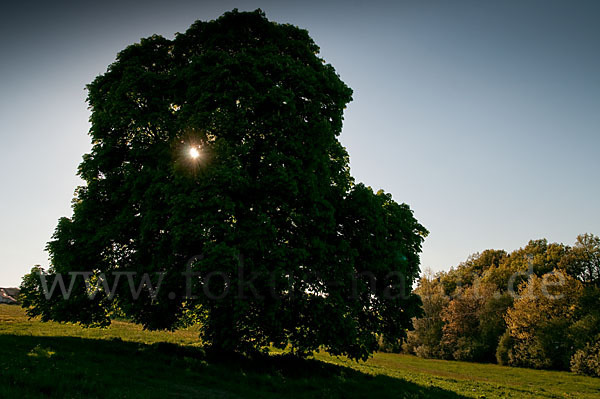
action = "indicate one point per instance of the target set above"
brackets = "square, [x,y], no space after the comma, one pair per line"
[52,360]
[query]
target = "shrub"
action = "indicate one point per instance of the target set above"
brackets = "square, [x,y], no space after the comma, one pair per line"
[587,360]
[504,347]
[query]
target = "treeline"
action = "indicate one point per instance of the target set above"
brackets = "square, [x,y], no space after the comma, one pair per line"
[538,306]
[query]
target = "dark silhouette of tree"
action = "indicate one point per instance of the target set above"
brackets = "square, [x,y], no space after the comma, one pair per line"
[223,143]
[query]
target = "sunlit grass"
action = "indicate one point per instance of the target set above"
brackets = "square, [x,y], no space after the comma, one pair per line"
[14,321]
[124,361]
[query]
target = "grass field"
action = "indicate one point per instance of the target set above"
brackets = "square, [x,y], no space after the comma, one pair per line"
[40,360]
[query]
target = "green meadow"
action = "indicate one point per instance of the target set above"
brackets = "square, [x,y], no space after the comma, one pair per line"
[40,360]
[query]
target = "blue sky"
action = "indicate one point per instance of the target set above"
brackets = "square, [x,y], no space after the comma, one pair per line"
[483,116]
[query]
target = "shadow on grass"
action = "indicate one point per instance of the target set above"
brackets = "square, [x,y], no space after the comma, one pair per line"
[57,367]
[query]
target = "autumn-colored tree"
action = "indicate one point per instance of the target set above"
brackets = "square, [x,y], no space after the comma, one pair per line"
[537,257]
[539,321]
[468,271]
[583,259]
[474,322]
[425,339]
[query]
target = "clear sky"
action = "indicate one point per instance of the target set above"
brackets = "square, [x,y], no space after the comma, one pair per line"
[483,116]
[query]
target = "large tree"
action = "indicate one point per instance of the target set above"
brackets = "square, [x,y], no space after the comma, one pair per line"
[216,154]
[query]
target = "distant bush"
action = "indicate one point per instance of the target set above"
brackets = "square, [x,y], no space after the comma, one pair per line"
[429,352]
[587,360]
[469,350]
[504,347]
[389,347]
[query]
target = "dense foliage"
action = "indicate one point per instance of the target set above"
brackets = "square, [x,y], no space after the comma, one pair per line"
[221,146]
[538,306]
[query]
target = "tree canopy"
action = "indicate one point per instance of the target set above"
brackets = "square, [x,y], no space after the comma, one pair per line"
[216,155]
